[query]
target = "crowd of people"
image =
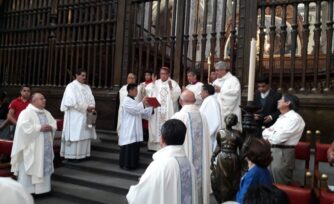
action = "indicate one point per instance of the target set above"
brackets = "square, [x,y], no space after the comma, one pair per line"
[195,131]
[207,112]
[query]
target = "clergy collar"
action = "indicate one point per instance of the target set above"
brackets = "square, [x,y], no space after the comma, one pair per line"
[32,107]
[169,151]
[227,75]
[189,107]
[131,97]
[166,80]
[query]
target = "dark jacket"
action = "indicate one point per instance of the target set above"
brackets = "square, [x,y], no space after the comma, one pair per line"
[269,107]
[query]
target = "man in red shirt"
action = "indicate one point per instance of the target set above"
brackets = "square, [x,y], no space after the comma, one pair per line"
[19,104]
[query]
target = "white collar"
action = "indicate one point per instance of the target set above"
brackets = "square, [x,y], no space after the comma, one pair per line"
[168,151]
[264,95]
[33,108]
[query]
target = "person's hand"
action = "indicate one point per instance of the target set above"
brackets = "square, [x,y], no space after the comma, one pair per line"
[46,128]
[217,88]
[257,116]
[267,119]
[90,109]
[145,101]
[170,84]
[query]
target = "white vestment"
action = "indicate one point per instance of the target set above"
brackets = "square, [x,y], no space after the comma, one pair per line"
[13,192]
[122,94]
[132,114]
[229,97]
[169,179]
[27,156]
[211,110]
[169,101]
[196,89]
[197,146]
[76,134]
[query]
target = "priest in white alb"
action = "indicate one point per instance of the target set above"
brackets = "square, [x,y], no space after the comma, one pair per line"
[131,133]
[122,94]
[211,110]
[77,101]
[170,178]
[197,143]
[167,92]
[194,86]
[228,92]
[32,152]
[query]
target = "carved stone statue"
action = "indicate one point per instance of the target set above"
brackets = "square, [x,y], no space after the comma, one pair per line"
[226,168]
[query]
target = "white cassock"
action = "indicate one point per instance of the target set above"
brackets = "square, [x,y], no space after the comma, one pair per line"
[169,103]
[32,152]
[197,146]
[229,97]
[122,94]
[132,114]
[169,179]
[76,136]
[13,192]
[211,110]
[196,89]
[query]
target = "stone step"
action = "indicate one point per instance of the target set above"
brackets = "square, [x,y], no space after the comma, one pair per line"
[114,158]
[84,195]
[54,198]
[109,147]
[105,168]
[110,183]
[109,139]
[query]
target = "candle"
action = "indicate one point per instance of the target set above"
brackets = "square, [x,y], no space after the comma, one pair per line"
[251,73]
[209,63]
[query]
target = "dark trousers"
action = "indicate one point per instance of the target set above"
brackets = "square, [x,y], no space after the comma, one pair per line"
[129,156]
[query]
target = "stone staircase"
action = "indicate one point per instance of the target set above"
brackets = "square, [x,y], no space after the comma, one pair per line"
[98,180]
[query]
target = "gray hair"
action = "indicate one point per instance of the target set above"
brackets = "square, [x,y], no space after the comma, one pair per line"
[222,65]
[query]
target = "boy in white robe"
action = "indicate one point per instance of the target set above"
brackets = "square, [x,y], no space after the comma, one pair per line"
[211,110]
[228,92]
[170,178]
[32,152]
[131,133]
[167,92]
[195,86]
[122,94]
[197,144]
[77,101]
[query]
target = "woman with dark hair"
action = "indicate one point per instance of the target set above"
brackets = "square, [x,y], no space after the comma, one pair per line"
[258,155]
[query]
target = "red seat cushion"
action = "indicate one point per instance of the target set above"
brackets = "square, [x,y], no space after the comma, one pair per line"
[296,194]
[5,172]
[326,197]
[302,151]
[6,147]
[321,152]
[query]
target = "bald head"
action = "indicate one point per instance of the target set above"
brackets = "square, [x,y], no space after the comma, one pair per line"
[187,97]
[131,79]
[38,100]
